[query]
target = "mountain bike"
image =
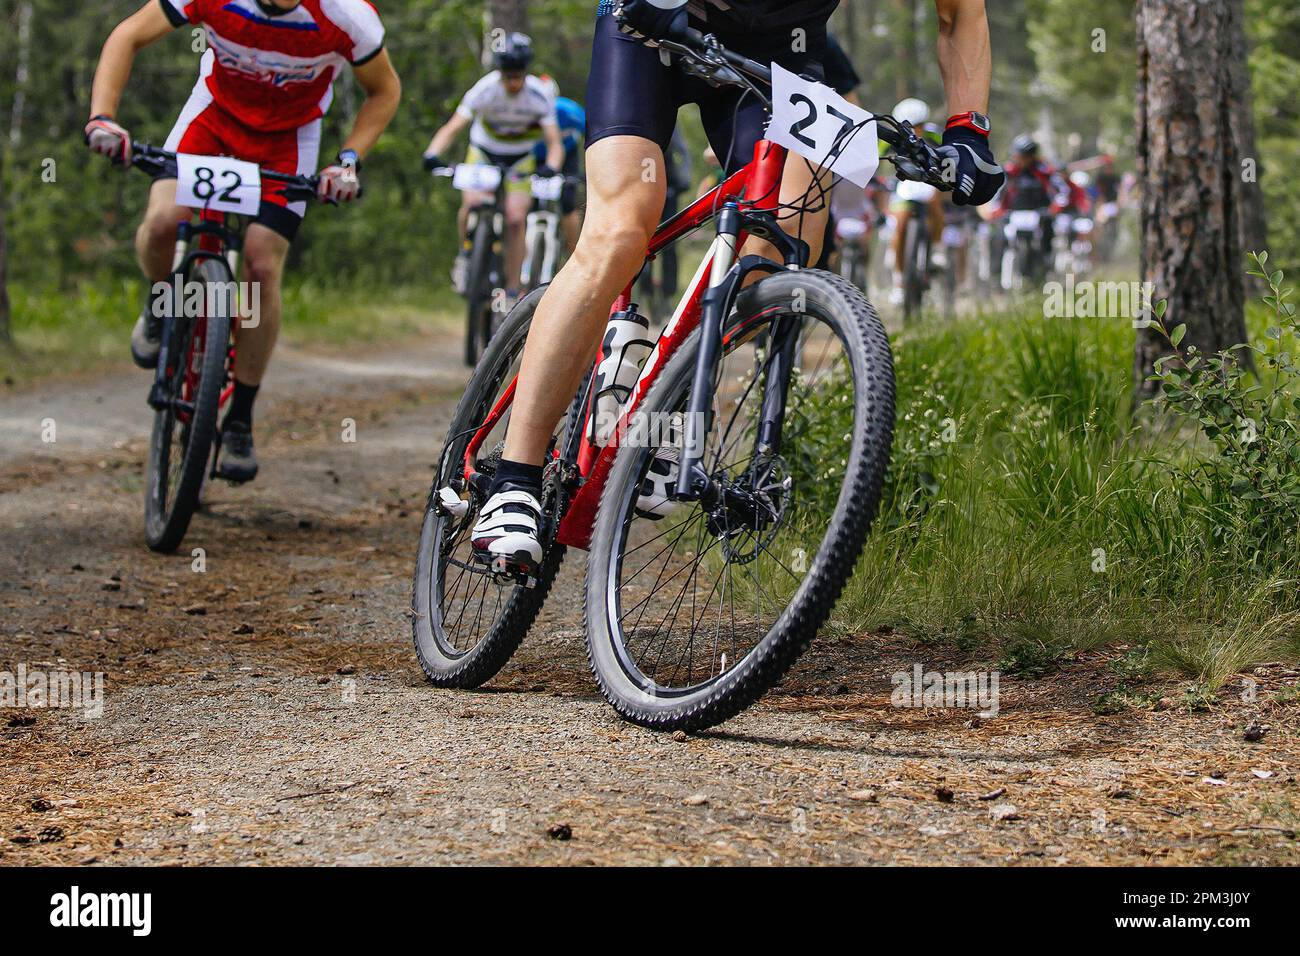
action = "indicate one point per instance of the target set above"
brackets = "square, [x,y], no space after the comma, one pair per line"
[917,255]
[542,242]
[485,243]
[726,507]
[194,377]
[1026,255]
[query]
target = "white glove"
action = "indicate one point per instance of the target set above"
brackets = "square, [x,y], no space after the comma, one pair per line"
[108,139]
[339,183]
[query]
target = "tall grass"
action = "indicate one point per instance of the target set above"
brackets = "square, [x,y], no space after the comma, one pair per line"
[68,331]
[1026,514]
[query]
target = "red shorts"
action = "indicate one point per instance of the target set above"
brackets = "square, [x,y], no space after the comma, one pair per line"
[206,130]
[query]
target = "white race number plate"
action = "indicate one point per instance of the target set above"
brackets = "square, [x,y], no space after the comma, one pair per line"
[823,127]
[1024,220]
[219,183]
[548,188]
[477,177]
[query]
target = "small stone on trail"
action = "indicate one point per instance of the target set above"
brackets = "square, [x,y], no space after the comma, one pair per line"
[560,831]
[943,794]
[865,796]
[1004,811]
[242,629]
[1254,732]
[195,609]
[696,800]
[347,669]
[681,736]
[993,794]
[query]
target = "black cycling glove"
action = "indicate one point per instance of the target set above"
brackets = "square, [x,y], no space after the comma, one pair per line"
[979,176]
[655,21]
[432,161]
[545,172]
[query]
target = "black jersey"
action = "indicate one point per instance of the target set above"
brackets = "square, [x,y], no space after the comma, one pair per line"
[753,14]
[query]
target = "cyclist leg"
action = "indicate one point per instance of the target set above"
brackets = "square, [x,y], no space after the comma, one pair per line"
[519,202]
[266,248]
[623,207]
[155,240]
[631,109]
[265,252]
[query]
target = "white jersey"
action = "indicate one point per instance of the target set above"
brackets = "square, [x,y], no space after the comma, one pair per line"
[505,124]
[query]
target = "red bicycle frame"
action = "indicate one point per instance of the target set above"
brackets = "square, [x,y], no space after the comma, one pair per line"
[758,187]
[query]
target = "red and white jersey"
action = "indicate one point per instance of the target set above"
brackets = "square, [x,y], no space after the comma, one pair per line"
[273,69]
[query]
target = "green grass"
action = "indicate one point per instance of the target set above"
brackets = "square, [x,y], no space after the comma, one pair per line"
[59,332]
[1028,517]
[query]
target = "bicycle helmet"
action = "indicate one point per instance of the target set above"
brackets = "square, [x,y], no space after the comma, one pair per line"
[912,110]
[1025,145]
[515,53]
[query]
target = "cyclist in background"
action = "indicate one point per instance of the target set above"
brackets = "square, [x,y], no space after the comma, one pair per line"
[572,119]
[507,112]
[916,112]
[1032,184]
[265,81]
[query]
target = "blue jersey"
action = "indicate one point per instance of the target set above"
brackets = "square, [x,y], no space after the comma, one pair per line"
[573,126]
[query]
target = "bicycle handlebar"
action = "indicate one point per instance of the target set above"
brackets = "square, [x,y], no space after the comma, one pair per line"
[154,161]
[913,157]
[447,172]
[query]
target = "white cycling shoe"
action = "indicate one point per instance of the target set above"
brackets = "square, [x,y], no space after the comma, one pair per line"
[506,533]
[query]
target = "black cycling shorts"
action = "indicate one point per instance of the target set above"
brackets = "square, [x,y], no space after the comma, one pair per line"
[630,92]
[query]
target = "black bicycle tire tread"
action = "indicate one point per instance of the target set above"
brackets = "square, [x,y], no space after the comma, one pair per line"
[847,534]
[194,467]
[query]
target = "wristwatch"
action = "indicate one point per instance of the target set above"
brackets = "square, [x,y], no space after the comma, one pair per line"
[971,120]
[348,157]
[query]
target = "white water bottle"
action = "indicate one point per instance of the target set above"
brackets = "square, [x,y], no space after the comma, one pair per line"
[625,347]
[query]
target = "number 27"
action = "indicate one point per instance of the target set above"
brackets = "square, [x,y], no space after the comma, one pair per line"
[797,128]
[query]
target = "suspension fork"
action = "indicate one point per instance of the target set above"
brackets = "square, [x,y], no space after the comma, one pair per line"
[159,393]
[783,347]
[693,481]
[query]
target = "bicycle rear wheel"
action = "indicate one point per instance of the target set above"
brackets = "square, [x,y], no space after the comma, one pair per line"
[183,432]
[466,622]
[692,616]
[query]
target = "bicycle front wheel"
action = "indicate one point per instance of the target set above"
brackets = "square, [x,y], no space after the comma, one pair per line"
[695,608]
[183,432]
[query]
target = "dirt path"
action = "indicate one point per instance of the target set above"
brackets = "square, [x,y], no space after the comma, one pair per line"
[269,709]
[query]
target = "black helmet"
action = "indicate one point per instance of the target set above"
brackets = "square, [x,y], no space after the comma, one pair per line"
[514,53]
[1024,143]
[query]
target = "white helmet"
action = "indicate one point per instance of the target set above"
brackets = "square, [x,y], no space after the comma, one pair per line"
[912,110]
[552,88]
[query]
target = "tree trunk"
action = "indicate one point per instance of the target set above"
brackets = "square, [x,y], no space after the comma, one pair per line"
[905,48]
[1189,91]
[508,15]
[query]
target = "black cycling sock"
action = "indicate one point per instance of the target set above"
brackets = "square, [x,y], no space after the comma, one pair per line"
[516,476]
[241,403]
